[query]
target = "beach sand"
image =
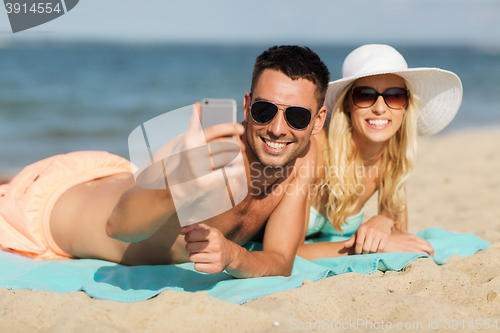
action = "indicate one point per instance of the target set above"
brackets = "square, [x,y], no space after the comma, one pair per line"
[456,187]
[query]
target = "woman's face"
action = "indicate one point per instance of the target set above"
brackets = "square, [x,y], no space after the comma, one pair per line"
[377,123]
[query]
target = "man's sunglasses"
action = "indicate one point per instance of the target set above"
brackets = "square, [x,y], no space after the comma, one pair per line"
[297,117]
[395,98]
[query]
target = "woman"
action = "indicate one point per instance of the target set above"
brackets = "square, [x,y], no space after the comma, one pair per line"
[376,112]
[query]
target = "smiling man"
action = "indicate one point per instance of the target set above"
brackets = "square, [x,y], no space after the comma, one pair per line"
[110,217]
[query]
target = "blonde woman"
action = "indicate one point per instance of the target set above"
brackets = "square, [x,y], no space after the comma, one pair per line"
[376,111]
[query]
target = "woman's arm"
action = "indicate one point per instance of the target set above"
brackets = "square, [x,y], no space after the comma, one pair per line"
[373,235]
[401,241]
[378,234]
[323,250]
[396,242]
[398,228]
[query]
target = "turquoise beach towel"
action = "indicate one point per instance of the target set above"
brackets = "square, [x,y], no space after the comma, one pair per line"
[107,280]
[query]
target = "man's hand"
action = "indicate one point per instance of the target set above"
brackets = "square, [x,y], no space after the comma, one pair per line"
[208,248]
[372,236]
[408,243]
[197,153]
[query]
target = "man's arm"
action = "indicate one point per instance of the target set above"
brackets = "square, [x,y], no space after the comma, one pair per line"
[212,252]
[282,237]
[140,212]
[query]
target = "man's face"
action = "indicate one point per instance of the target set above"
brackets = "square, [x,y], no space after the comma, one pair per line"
[275,143]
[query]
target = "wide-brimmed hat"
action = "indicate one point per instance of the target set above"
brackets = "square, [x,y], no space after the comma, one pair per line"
[440,91]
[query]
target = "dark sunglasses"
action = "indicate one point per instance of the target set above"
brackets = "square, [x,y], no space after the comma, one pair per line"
[395,98]
[297,117]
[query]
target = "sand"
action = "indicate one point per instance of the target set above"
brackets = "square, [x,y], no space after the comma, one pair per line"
[456,187]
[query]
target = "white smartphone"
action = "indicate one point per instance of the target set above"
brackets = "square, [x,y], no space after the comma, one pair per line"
[216,111]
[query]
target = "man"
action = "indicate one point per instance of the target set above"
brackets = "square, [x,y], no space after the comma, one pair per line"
[112,218]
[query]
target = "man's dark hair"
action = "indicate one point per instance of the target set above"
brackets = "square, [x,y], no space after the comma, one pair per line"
[296,62]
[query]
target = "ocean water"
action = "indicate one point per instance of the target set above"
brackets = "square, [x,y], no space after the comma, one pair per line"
[57,98]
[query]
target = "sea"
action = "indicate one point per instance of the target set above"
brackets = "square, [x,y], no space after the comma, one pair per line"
[61,97]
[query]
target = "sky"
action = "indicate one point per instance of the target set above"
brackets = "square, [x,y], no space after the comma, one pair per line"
[422,22]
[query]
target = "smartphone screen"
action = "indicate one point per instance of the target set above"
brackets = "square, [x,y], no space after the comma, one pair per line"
[216,111]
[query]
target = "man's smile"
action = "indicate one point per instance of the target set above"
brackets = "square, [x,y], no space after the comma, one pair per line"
[274,146]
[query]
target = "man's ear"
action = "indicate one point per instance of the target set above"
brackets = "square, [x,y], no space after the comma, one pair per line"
[246,106]
[319,121]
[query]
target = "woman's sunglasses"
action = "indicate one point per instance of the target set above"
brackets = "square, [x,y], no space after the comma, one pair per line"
[395,98]
[297,117]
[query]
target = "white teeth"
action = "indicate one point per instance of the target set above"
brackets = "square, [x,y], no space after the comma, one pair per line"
[275,145]
[378,122]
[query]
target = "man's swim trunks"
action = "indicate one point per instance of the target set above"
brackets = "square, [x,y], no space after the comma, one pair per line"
[27,201]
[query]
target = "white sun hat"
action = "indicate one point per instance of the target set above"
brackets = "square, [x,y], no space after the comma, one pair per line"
[440,91]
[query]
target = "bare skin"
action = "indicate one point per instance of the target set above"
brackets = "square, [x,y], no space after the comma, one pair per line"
[4,180]
[379,234]
[98,219]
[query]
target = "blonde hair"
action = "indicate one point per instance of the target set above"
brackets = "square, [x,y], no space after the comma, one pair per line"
[345,172]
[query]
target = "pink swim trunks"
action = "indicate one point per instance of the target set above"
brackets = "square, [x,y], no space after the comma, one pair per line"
[27,201]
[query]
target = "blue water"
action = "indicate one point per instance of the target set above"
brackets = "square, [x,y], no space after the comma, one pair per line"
[57,98]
